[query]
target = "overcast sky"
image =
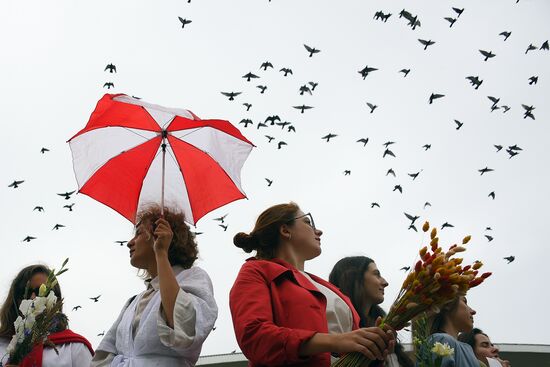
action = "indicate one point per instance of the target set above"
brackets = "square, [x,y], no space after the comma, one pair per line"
[52,75]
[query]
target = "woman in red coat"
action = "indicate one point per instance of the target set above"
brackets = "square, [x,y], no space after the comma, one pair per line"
[283,316]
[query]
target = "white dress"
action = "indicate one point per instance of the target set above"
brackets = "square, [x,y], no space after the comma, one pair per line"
[70,355]
[154,342]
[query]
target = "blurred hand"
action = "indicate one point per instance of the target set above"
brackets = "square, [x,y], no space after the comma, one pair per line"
[372,342]
[163,235]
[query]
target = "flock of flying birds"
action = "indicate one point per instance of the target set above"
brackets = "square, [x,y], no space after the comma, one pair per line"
[275,121]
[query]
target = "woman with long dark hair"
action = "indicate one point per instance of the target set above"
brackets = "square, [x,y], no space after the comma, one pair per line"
[358,278]
[284,316]
[73,349]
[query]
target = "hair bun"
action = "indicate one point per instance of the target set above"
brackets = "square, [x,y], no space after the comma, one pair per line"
[245,241]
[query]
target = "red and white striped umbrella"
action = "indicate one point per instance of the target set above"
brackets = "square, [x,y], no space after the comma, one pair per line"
[132,153]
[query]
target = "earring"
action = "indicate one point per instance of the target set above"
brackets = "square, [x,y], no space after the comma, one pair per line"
[289,236]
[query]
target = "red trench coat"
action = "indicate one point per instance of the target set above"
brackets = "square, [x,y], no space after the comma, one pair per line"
[275,309]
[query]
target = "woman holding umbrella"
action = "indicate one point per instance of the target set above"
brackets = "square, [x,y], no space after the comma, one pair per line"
[285,316]
[166,324]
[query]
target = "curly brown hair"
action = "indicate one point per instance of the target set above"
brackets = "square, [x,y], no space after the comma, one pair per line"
[183,250]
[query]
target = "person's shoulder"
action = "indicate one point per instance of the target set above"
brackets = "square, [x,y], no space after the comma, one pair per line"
[444,338]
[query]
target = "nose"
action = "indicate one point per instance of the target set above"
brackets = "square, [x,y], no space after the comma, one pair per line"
[318,232]
[130,243]
[384,283]
[472,311]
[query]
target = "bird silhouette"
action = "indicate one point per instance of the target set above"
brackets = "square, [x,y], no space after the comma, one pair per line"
[509,258]
[247,105]
[223,226]
[111,68]
[458,11]
[458,124]
[329,136]
[489,238]
[280,144]
[388,143]
[302,108]
[248,76]
[450,20]
[533,80]
[15,184]
[269,138]
[474,80]
[246,122]
[269,182]
[102,333]
[39,208]
[372,107]
[512,153]
[413,227]
[347,172]
[291,129]
[286,71]
[492,195]
[109,85]
[365,71]
[260,124]
[406,268]
[528,111]
[184,21]
[313,85]
[505,108]
[498,147]
[44,150]
[221,219]
[531,47]
[67,195]
[427,146]
[412,218]
[427,203]
[405,72]
[363,140]
[414,175]
[485,170]
[70,207]
[272,119]
[391,172]
[495,100]
[311,50]
[388,152]
[266,65]
[446,225]
[435,96]
[372,205]
[488,54]
[426,43]
[28,239]
[121,243]
[231,95]
[95,299]
[57,226]
[544,46]
[398,188]
[262,88]
[282,124]
[505,34]
[76,308]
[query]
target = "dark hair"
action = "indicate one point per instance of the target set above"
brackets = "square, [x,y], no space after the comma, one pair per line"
[265,237]
[16,294]
[469,337]
[348,274]
[183,249]
[436,322]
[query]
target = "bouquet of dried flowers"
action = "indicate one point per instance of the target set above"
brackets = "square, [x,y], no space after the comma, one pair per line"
[436,279]
[40,317]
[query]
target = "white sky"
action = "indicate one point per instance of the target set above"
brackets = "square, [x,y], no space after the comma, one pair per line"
[51,73]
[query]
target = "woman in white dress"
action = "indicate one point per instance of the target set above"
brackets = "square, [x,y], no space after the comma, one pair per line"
[166,324]
[74,350]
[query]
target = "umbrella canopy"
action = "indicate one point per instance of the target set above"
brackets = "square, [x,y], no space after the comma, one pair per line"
[133,153]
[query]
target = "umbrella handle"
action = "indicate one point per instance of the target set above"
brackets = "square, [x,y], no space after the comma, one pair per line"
[163,171]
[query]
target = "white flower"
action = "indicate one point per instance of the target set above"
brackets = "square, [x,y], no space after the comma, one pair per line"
[443,350]
[29,321]
[51,300]
[11,346]
[38,306]
[25,306]
[18,324]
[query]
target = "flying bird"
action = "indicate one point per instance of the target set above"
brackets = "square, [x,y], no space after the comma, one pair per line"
[329,136]
[248,76]
[272,119]
[489,238]
[269,138]
[391,172]
[446,225]
[291,129]
[311,50]
[269,182]
[57,226]
[458,124]
[365,71]
[347,172]
[412,218]
[474,80]
[302,108]
[247,105]
[108,85]
[221,219]
[280,144]
[531,47]
[70,207]
[427,203]
[313,85]
[121,243]
[426,43]
[488,54]
[363,140]
[111,68]
[44,150]
[435,96]
[485,170]
[414,175]
[544,46]
[39,208]
[283,124]
[103,332]
[262,88]
[388,152]
[266,65]
[184,21]
[303,89]
[398,188]
[510,259]
[450,20]
[260,124]
[405,268]
[371,106]
[495,100]
[505,34]
[458,11]
[405,72]
[286,71]
[15,184]
[75,308]
[533,80]
[492,195]
[246,122]
[427,146]
[95,299]
[498,147]
[372,205]
[67,195]
[28,239]
[231,95]
[223,226]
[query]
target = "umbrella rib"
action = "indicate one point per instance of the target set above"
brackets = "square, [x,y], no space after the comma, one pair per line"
[132,131]
[190,132]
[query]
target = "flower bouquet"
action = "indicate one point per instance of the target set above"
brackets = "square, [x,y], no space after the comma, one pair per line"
[425,349]
[40,317]
[436,279]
